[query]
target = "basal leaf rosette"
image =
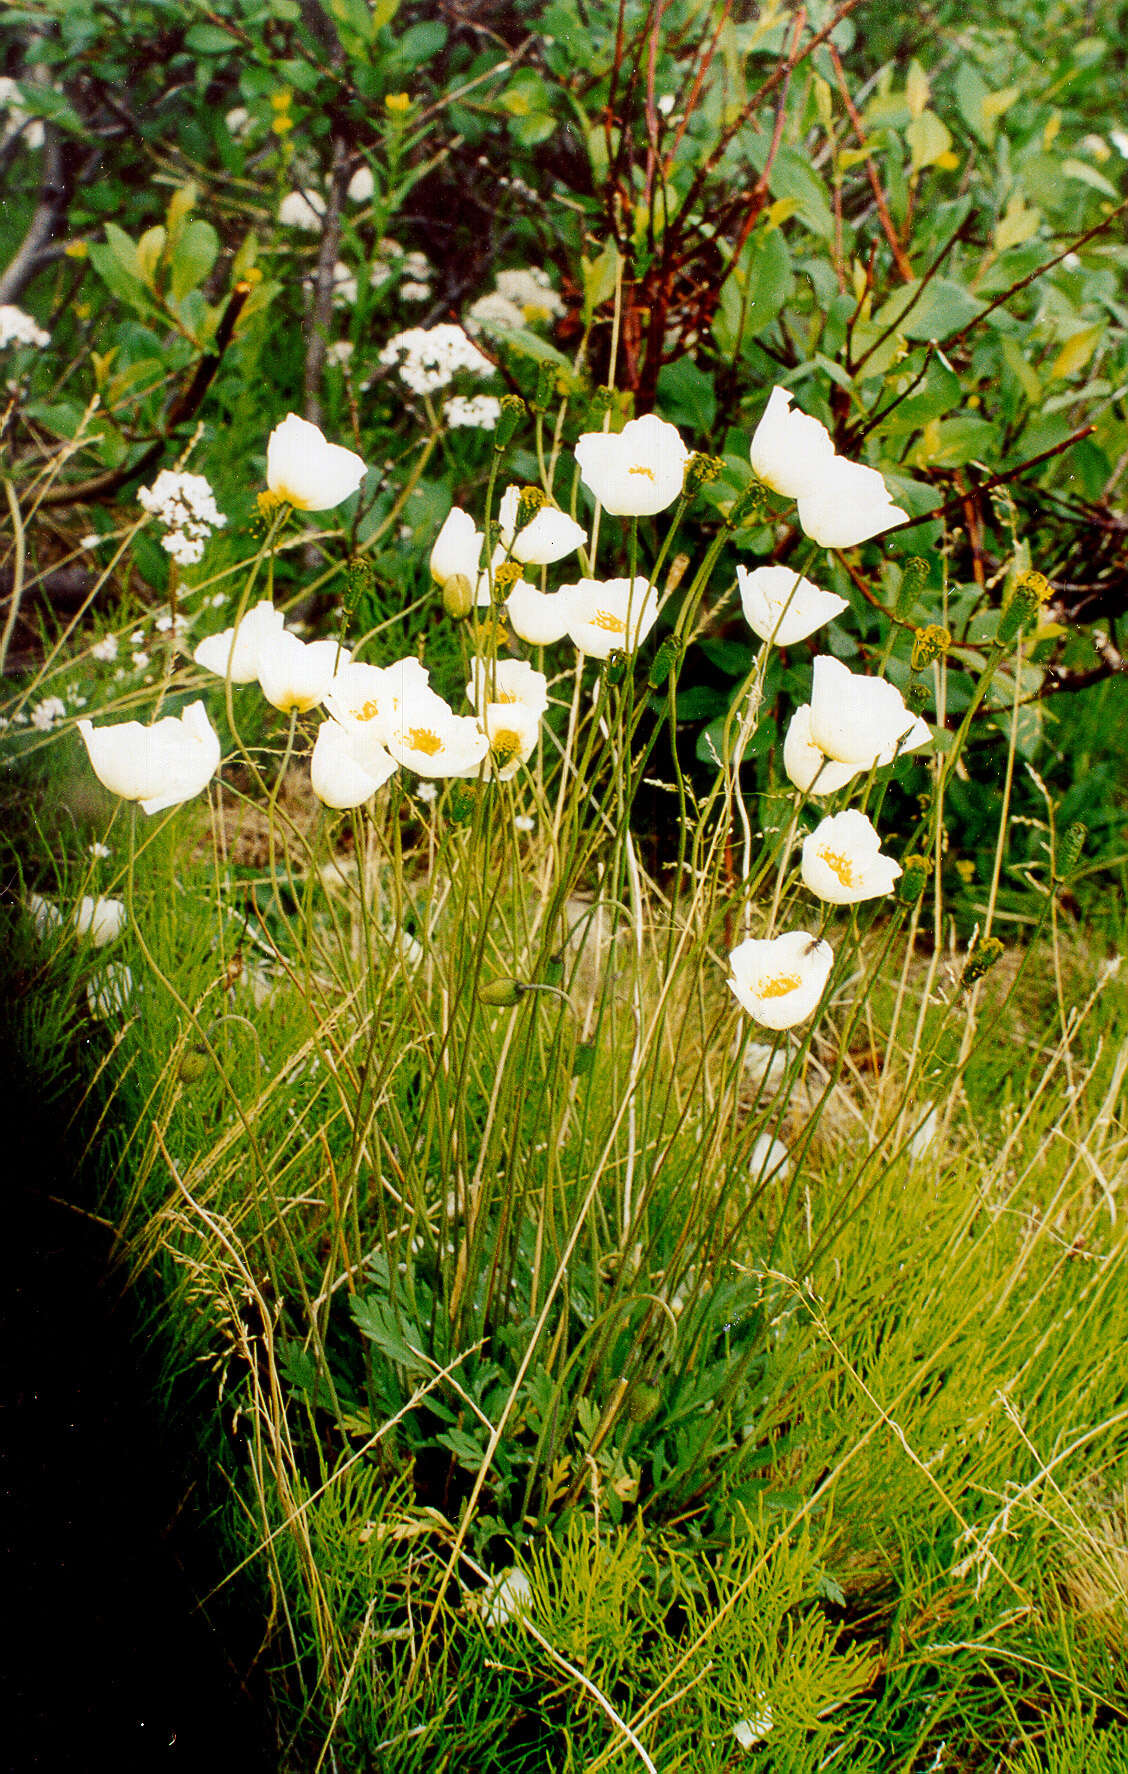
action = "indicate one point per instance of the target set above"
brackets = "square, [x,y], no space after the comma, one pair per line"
[779,979]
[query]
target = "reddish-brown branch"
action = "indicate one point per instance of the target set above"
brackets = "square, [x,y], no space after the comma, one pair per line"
[899,255]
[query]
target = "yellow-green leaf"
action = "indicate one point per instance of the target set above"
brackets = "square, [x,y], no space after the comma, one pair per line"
[1017,224]
[149,249]
[1025,374]
[600,276]
[928,138]
[1076,352]
[180,206]
[916,89]
[994,105]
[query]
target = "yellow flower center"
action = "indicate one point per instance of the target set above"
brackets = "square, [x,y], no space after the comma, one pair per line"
[640,468]
[422,739]
[607,620]
[840,866]
[506,743]
[779,986]
[368,711]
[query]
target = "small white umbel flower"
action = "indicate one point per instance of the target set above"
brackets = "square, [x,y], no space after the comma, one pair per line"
[843,861]
[779,980]
[637,471]
[305,470]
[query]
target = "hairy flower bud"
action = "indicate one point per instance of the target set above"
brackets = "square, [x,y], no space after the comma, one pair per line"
[665,660]
[931,642]
[914,878]
[193,1064]
[1069,850]
[502,993]
[981,960]
[513,410]
[616,665]
[643,1401]
[546,387]
[1030,593]
[917,696]
[914,573]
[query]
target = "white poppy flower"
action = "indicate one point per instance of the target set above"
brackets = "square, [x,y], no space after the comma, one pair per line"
[508,680]
[424,735]
[458,548]
[513,729]
[108,993]
[860,720]
[807,767]
[506,1597]
[790,450]
[235,652]
[160,766]
[295,674]
[843,861]
[782,607]
[367,696]
[307,471]
[769,1159]
[99,919]
[847,503]
[779,980]
[634,472]
[45,915]
[749,1732]
[348,765]
[540,617]
[547,537]
[612,614]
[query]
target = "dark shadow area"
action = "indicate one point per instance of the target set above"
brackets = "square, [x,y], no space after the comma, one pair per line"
[110,1663]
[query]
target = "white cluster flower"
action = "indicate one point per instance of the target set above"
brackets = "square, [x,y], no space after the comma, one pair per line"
[339,353]
[237,122]
[478,412]
[493,311]
[429,358]
[18,328]
[362,185]
[45,714]
[185,505]
[302,209]
[519,298]
[11,101]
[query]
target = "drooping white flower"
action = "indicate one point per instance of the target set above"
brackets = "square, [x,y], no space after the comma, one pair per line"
[610,615]
[236,652]
[294,674]
[302,209]
[458,548]
[159,766]
[110,990]
[751,1731]
[362,185]
[782,607]
[847,504]
[547,537]
[769,1158]
[18,328]
[843,861]
[426,736]
[540,617]
[306,470]
[860,720]
[349,764]
[806,765]
[100,919]
[507,680]
[637,471]
[507,1596]
[779,980]
[790,450]
[45,915]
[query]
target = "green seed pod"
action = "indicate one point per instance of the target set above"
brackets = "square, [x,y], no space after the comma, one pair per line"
[914,575]
[643,1402]
[502,993]
[1069,849]
[748,505]
[699,471]
[981,960]
[513,410]
[458,597]
[529,502]
[931,642]
[913,878]
[665,660]
[193,1065]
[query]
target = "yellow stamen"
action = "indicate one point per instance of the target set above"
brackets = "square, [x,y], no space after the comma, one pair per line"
[422,739]
[368,712]
[840,866]
[506,744]
[779,986]
[639,468]
[607,620]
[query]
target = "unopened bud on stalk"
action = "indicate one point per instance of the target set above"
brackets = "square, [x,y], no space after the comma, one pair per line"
[699,471]
[1031,592]
[460,805]
[913,879]
[1069,850]
[502,993]
[193,1064]
[529,502]
[665,660]
[513,410]
[747,505]
[643,1402]
[914,574]
[546,387]
[931,642]
[458,597]
[602,400]
[981,960]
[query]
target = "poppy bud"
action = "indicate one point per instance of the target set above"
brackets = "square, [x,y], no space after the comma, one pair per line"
[460,803]
[546,387]
[616,666]
[502,993]
[747,505]
[914,878]
[193,1065]
[643,1402]
[513,410]
[914,573]
[1069,850]
[1026,601]
[917,696]
[665,660]
[458,597]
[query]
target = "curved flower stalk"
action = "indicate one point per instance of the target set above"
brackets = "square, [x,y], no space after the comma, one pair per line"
[843,862]
[305,470]
[782,607]
[637,471]
[294,674]
[236,652]
[840,503]
[159,766]
[348,765]
[779,980]
[611,615]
